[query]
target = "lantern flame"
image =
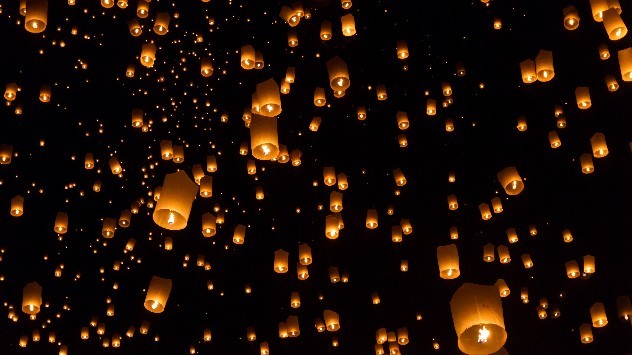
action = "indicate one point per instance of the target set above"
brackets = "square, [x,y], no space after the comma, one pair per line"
[172,218]
[483,334]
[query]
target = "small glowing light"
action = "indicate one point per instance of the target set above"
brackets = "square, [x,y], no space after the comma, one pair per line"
[483,334]
[154,305]
[172,218]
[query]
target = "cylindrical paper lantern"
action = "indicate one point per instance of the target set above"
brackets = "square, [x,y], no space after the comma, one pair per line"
[161,24]
[17,206]
[247,57]
[332,320]
[488,253]
[625,63]
[571,17]
[371,218]
[338,74]
[582,96]
[613,23]
[587,163]
[503,254]
[585,333]
[157,294]
[544,65]
[264,138]
[281,261]
[31,298]
[348,25]
[36,15]
[510,180]
[448,260]
[598,315]
[209,225]
[148,55]
[176,199]
[598,144]
[527,69]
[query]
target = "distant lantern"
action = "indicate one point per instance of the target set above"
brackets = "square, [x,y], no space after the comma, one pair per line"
[585,333]
[497,205]
[148,55]
[503,254]
[206,67]
[88,161]
[554,140]
[289,15]
[454,233]
[486,212]
[142,9]
[134,27]
[526,261]
[589,264]
[332,320]
[512,236]
[431,107]
[402,140]
[264,138]
[209,225]
[524,295]
[239,234]
[211,163]
[625,63]
[290,75]
[45,93]
[613,23]
[611,83]
[17,206]
[396,234]
[11,91]
[582,95]
[624,308]
[460,69]
[264,348]
[61,223]
[332,228]
[567,236]
[166,149]
[315,124]
[402,49]
[477,313]
[325,30]
[448,260]
[544,66]
[329,176]
[510,180]
[285,87]
[305,254]
[541,312]
[488,253]
[115,166]
[259,195]
[522,124]
[343,183]
[319,97]
[571,17]
[361,113]
[206,186]
[338,74]
[402,120]
[503,289]
[398,175]
[497,23]
[452,203]
[371,219]
[161,24]
[281,261]
[157,294]
[36,15]
[137,118]
[31,298]
[598,144]
[335,201]
[346,4]
[109,227]
[295,157]
[604,53]
[259,62]
[527,69]
[598,315]
[561,121]
[176,199]
[586,163]
[380,91]
[348,25]
[292,38]
[247,57]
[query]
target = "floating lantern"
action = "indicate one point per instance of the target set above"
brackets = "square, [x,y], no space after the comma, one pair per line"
[348,25]
[585,333]
[598,315]
[247,57]
[614,25]
[448,259]
[161,24]
[264,139]
[625,63]
[157,295]
[582,95]
[586,163]
[61,223]
[206,67]
[36,15]
[544,66]
[503,254]
[503,289]
[31,298]
[332,320]
[371,219]
[554,140]
[488,253]
[598,144]
[338,74]
[17,206]
[281,261]
[510,180]
[176,199]
[486,212]
[527,68]
[148,54]
[571,17]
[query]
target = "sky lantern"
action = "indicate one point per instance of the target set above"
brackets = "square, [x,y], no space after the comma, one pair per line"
[157,294]
[176,200]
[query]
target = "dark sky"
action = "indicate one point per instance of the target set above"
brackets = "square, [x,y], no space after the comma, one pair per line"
[90,112]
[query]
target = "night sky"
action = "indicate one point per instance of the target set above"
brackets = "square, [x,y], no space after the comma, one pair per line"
[83,55]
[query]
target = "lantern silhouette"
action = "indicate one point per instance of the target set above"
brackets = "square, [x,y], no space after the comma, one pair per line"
[571,17]
[247,57]
[448,260]
[264,139]
[625,63]
[31,298]
[478,319]
[598,144]
[598,315]
[614,25]
[582,95]
[527,69]
[281,261]
[36,15]
[157,294]
[148,55]
[161,24]
[544,66]
[510,180]
[348,25]
[176,199]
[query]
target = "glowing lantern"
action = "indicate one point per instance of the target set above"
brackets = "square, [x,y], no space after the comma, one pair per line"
[497,23]
[45,93]
[527,69]
[586,163]
[497,205]
[371,219]
[478,319]
[157,295]
[486,212]
[503,254]
[402,49]
[598,144]
[554,140]
[448,260]
[332,228]
[488,253]
[510,180]
[571,17]
[611,83]
[572,269]
[460,69]
[161,25]
[544,66]
[522,124]
[134,29]
[148,55]
[589,264]
[264,139]
[452,203]
[259,63]
[567,236]
[247,57]
[36,15]
[398,175]
[614,25]
[319,97]
[211,164]
[454,233]
[526,261]
[598,315]
[11,91]
[89,161]
[206,186]
[269,98]
[209,225]
[264,348]
[292,38]
[624,308]
[402,141]
[305,254]
[31,298]
[380,91]
[17,206]
[259,193]
[332,320]
[431,107]
[61,223]
[142,9]
[206,67]
[348,25]
[176,199]
[335,201]
[503,289]
[585,333]
[407,228]
[582,95]
[313,126]
[338,74]
[396,234]
[281,261]
[512,236]
[289,15]
[109,227]
[625,63]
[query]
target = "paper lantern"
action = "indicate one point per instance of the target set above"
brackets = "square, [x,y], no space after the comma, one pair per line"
[269,98]
[598,315]
[402,120]
[332,320]
[524,295]
[61,223]
[544,66]
[178,154]
[541,312]
[176,199]
[567,236]
[586,163]
[285,87]
[109,227]
[259,62]
[209,226]
[346,4]
[157,295]
[624,308]
[460,69]
[497,205]
[17,206]
[572,269]
[89,161]
[477,313]
[448,260]
[247,57]
[206,186]
[527,69]
[348,25]
[161,24]
[332,228]
[211,163]
[120,3]
[503,289]
[398,175]
[31,298]
[206,67]
[611,83]
[292,38]
[486,212]
[148,55]
[402,49]
[137,120]
[295,300]
[45,93]
[335,201]
[134,29]
[510,180]
[319,97]
[36,15]
[305,254]
[526,261]
[281,261]
[259,193]
[571,17]
[371,219]
[302,272]
[488,253]
[431,107]
[512,236]
[11,91]
[503,254]
[292,325]
[264,348]
[604,53]
[625,63]
[589,264]
[380,91]
[598,7]
[454,233]
[561,121]
[598,144]
[554,140]
[315,124]
[142,8]
[453,204]
[582,95]
[396,234]
[338,74]
[522,124]
[289,15]
[614,25]
[264,139]
[585,333]
[402,141]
